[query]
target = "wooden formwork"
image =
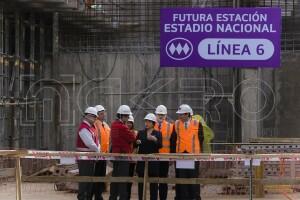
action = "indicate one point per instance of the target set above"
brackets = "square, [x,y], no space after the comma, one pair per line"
[239,183]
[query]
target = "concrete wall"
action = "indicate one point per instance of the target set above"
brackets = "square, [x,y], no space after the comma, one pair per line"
[271,109]
[268,97]
[137,77]
[287,87]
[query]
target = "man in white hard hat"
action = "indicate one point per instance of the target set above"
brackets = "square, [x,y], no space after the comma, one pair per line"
[187,138]
[103,132]
[166,129]
[121,142]
[87,141]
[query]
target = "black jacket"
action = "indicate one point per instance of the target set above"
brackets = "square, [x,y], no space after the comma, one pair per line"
[147,146]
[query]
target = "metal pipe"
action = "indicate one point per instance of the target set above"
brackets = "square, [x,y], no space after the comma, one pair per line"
[18,103]
[148,93]
[18,179]
[145,180]
[251,180]
[179,92]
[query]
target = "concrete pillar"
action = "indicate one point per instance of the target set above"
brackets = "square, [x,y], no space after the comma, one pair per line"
[39,76]
[249,101]
[55,76]
[2,121]
[6,67]
[14,87]
[32,58]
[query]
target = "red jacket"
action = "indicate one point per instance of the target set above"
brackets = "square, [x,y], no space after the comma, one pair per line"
[121,138]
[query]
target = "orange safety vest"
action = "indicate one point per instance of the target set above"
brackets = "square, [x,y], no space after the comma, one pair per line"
[187,138]
[103,132]
[166,131]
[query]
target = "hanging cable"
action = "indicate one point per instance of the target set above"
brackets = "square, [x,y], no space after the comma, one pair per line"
[147,90]
[85,74]
[94,80]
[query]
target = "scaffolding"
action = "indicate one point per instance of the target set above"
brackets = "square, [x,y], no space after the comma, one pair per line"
[133,25]
[22,54]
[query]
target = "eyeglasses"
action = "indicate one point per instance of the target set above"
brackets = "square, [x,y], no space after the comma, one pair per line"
[183,114]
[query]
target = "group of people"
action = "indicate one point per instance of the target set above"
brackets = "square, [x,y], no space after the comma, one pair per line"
[184,136]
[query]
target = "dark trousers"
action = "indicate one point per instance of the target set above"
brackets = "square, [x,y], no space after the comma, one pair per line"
[131,174]
[119,190]
[99,187]
[153,171]
[86,168]
[163,173]
[184,191]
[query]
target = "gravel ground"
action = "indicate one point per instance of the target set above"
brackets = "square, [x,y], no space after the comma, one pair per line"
[45,191]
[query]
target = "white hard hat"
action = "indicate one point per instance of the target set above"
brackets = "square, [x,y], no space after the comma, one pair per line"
[99,108]
[124,110]
[161,109]
[131,119]
[150,117]
[91,110]
[184,108]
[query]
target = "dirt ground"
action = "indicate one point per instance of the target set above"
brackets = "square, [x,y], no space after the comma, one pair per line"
[45,191]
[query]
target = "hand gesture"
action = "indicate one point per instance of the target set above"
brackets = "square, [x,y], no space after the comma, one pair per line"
[138,142]
[151,138]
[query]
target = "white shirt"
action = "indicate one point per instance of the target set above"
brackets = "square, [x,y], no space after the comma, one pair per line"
[187,124]
[88,140]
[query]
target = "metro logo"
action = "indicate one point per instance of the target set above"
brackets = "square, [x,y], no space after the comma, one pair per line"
[179,48]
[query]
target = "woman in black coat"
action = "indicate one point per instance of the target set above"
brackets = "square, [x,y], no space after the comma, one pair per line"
[149,141]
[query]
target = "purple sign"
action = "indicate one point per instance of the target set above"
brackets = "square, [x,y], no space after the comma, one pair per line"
[220,37]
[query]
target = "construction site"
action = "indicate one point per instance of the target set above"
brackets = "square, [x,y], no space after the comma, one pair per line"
[58,57]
